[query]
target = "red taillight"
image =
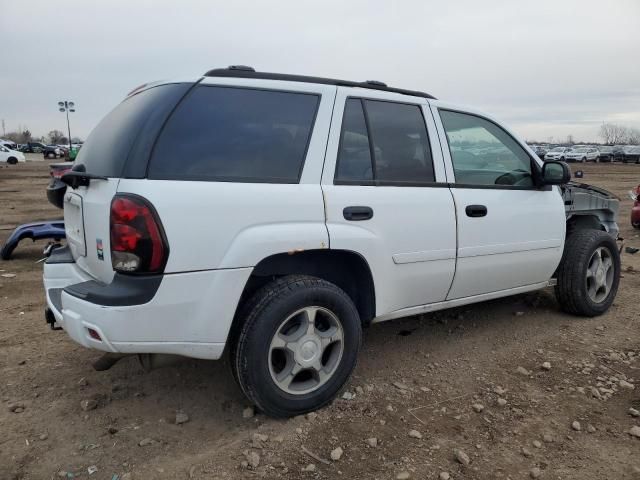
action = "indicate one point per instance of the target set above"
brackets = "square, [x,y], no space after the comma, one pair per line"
[137,240]
[59,173]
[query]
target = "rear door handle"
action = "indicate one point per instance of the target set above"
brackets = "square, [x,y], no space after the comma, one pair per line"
[476,211]
[356,214]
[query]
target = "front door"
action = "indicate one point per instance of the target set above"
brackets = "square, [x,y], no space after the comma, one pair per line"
[510,231]
[386,197]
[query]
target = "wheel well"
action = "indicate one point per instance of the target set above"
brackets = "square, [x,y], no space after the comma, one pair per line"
[584,222]
[348,270]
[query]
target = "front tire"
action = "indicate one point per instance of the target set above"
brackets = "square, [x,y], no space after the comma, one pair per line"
[589,273]
[12,160]
[297,346]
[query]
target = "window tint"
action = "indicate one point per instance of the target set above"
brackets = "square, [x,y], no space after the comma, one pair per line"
[354,157]
[110,143]
[400,143]
[483,153]
[396,135]
[236,134]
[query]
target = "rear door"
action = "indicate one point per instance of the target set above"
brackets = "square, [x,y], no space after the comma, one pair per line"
[118,147]
[386,197]
[510,231]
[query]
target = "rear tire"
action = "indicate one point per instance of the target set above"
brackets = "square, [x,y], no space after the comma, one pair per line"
[286,356]
[588,286]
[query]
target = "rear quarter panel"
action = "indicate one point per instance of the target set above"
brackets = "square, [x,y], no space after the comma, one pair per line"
[215,225]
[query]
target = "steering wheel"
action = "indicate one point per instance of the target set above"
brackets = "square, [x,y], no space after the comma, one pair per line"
[517,178]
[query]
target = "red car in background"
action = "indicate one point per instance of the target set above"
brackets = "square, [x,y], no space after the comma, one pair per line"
[635,210]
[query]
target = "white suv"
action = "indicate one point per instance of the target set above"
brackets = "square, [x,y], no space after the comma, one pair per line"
[583,154]
[277,215]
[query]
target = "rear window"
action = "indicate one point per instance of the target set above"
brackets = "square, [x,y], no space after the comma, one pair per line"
[233,134]
[120,144]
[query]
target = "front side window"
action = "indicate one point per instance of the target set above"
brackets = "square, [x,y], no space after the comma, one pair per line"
[394,134]
[236,135]
[484,154]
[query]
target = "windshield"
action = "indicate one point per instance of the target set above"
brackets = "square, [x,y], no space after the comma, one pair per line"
[580,150]
[558,149]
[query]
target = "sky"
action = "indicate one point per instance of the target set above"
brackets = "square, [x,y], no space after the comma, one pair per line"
[548,69]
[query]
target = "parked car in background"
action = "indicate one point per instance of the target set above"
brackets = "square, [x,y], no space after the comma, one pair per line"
[557,153]
[10,156]
[631,154]
[635,210]
[287,291]
[33,147]
[605,153]
[582,154]
[618,153]
[52,151]
[8,144]
[540,150]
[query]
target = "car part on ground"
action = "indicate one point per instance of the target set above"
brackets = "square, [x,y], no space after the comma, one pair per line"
[53,229]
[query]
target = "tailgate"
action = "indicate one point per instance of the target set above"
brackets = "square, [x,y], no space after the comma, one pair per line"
[86,220]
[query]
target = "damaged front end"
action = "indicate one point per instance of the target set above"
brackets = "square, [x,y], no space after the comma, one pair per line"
[593,206]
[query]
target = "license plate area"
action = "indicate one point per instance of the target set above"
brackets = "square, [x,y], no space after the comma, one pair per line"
[74,224]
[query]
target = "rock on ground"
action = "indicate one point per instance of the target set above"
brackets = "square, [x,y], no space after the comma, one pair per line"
[336,454]
[248,412]
[181,418]
[461,457]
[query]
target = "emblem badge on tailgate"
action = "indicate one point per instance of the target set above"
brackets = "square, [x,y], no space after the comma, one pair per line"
[99,249]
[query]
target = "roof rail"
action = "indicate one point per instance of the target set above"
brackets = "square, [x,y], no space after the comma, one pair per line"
[243,71]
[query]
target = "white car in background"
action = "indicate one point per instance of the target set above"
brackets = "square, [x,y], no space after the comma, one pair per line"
[10,156]
[557,153]
[582,154]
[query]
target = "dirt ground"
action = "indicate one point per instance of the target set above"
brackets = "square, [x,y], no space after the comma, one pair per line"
[456,377]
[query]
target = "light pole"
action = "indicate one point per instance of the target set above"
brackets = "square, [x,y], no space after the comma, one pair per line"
[67,106]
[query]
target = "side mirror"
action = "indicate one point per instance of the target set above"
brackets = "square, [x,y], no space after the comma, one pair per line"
[555,173]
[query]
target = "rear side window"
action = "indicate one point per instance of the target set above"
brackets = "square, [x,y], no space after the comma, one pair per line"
[236,135]
[354,156]
[121,140]
[394,134]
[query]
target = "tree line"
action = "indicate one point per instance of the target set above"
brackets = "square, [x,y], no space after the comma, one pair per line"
[613,134]
[55,137]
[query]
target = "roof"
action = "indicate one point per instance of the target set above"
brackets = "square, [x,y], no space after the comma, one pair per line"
[242,71]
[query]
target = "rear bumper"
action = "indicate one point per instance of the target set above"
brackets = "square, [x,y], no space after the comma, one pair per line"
[189,314]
